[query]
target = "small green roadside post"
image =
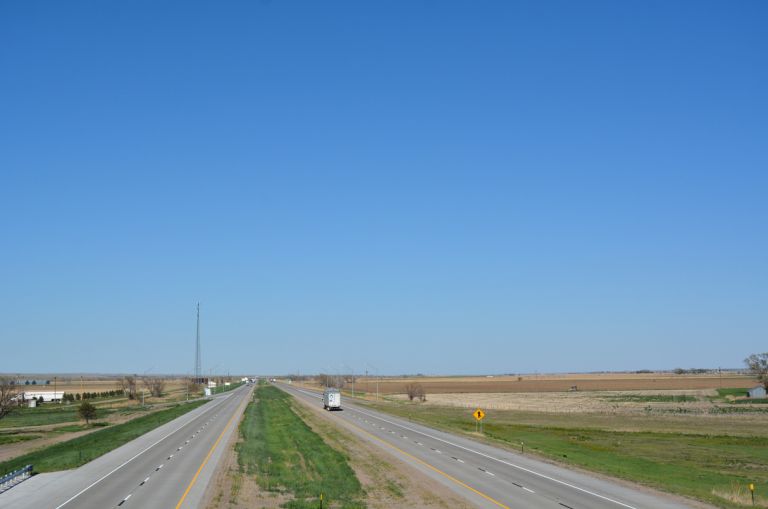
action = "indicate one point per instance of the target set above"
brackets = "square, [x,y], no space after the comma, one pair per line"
[321,501]
[752,491]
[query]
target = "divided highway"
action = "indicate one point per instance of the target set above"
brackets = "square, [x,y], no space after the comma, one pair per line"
[487,476]
[168,467]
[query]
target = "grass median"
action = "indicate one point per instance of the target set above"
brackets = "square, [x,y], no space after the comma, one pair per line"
[713,468]
[81,450]
[289,459]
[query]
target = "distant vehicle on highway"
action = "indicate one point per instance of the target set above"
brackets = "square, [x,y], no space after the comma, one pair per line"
[332,399]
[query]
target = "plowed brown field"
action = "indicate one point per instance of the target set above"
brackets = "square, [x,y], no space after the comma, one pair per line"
[557,383]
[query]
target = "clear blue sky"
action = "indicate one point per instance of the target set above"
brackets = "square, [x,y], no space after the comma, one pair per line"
[415,186]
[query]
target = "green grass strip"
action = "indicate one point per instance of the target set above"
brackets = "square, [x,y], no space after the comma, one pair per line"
[81,450]
[287,457]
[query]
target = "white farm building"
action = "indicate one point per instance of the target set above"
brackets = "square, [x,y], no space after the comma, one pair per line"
[46,395]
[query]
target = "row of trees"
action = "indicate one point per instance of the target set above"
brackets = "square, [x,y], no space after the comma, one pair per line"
[154,384]
[337,381]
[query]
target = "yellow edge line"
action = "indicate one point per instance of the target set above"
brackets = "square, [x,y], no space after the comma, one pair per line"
[207,457]
[448,476]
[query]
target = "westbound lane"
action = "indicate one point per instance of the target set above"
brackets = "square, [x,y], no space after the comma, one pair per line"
[489,476]
[168,467]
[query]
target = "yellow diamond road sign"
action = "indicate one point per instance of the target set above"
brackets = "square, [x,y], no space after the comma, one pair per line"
[479,414]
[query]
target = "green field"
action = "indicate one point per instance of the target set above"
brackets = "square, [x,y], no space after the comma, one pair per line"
[723,393]
[698,465]
[288,458]
[44,415]
[81,450]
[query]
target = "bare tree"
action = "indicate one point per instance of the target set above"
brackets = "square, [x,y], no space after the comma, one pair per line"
[415,390]
[8,393]
[192,387]
[128,384]
[757,363]
[155,385]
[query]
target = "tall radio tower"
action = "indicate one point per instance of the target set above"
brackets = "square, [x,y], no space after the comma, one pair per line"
[198,363]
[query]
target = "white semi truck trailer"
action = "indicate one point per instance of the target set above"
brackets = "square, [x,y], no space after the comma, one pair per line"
[332,399]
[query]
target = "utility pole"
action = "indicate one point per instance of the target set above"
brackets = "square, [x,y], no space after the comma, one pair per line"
[198,360]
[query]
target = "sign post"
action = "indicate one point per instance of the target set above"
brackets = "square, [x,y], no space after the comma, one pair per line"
[752,491]
[479,415]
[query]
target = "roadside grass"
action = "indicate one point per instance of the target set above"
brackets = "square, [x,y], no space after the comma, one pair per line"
[695,465]
[226,388]
[288,458]
[81,450]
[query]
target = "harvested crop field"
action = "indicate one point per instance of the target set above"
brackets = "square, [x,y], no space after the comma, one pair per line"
[558,383]
[703,401]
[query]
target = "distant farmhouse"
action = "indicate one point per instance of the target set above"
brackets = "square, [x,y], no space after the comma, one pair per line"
[756,392]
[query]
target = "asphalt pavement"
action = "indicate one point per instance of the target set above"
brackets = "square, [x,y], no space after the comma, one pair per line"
[487,476]
[169,467]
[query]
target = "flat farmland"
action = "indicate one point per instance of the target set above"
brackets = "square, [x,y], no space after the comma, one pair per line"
[557,383]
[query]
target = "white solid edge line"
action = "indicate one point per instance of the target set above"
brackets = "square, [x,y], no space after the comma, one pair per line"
[543,476]
[128,461]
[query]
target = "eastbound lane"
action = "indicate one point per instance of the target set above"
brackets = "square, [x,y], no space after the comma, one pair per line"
[168,467]
[489,476]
